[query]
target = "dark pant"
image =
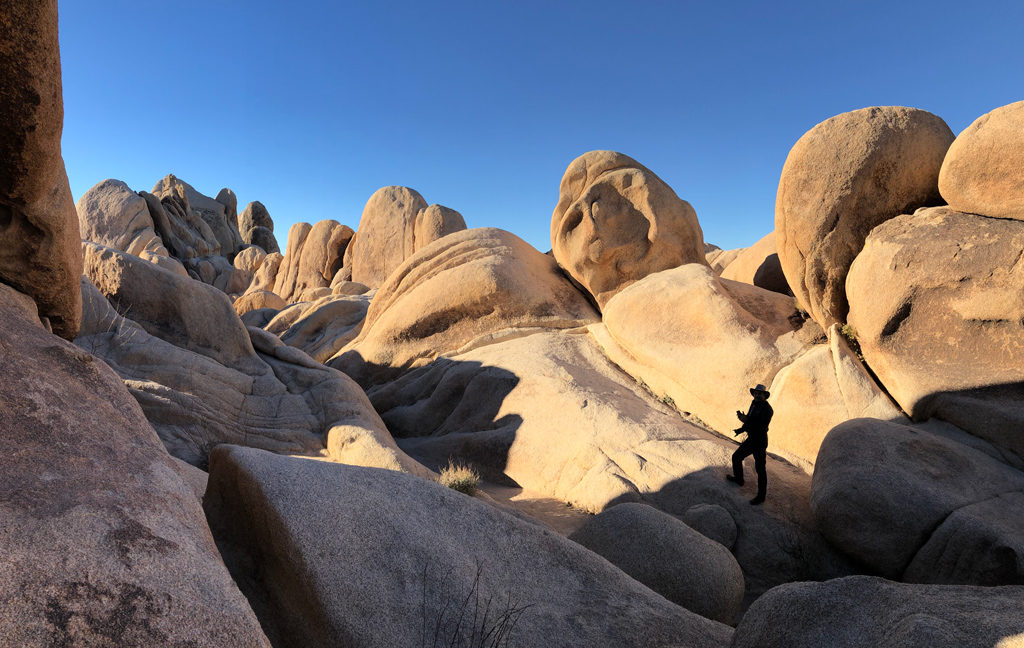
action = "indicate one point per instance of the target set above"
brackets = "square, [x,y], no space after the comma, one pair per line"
[759,450]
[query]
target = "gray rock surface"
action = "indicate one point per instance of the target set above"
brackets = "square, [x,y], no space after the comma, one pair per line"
[668,556]
[357,556]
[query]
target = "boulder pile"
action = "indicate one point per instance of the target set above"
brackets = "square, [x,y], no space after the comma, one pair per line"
[248,448]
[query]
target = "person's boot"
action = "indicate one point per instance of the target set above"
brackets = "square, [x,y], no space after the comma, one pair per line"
[734,479]
[757,500]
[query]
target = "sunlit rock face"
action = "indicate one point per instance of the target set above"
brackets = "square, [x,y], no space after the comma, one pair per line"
[845,176]
[983,172]
[39,245]
[396,223]
[617,222]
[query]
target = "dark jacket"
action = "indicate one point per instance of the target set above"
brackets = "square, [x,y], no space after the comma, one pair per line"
[756,420]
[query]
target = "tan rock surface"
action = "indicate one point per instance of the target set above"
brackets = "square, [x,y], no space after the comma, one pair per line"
[937,301]
[701,341]
[323,327]
[249,260]
[758,265]
[867,612]
[396,223]
[214,214]
[464,289]
[103,543]
[321,538]
[273,397]
[617,222]
[256,300]
[266,275]
[551,413]
[313,257]
[821,389]
[40,253]
[257,228]
[983,171]
[842,178]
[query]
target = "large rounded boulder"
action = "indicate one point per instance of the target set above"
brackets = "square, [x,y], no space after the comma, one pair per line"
[617,222]
[937,302]
[841,179]
[396,223]
[983,172]
[464,289]
[313,256]
[668,556]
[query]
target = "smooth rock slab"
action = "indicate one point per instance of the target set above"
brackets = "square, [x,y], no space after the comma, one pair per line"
[104,544]
[366,557]
[866,612]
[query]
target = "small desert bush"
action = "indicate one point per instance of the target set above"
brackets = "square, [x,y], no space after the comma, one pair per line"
[850,334]
[459,477]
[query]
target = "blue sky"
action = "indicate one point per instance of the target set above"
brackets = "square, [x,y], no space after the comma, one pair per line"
[310,107]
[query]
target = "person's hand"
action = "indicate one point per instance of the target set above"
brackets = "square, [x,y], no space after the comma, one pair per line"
[739,415]
[737,430]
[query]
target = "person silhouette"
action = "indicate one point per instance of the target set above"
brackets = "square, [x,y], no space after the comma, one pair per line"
[755,424]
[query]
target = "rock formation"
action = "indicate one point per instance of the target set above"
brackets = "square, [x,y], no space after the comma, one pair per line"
[257,228]
[39,251]
[757,265]
[322,540]
[617,222]
[313,256]
[842,178]
[396,223]
[983,171]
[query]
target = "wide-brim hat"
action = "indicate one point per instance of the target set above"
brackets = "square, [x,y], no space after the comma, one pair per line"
[759,389]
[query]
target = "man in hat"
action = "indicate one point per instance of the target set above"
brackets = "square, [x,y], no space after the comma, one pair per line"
[755,424]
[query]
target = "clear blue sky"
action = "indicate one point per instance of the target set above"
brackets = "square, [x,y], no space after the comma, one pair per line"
[310,107]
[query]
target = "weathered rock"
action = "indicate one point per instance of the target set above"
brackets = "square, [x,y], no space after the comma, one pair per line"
[758,265]
[185,313]
[321,538]
[702,342]
[881,491]
[821,389]
[324,326]
[983,171]
[937,302]
[669,557]
[251,390]
[111,214]
[343,287]
[228,198]
[257,228]
[617,222]
[40,254]
[313,259]
[395,224]
[465,289]
[866,612]
[845,176]
[182,231]
[250,259]
[720,259]
[212,213]
[103,543]
[551,413]
[256,300]
[266,276]
[712,521]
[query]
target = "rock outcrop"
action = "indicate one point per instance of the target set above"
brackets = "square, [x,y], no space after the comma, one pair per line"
[464,289]
[983,171]
[313,256]
[103,542]
[225,237]
[757,265]
[321,539]
[669,557]
[549,412]
[702,342]
[202,378]
[321,328]
[39,245]
[826,386]
[911,503]
[866,612]
[845,176]
[257,228]
[937,303]
[396,223]
[617,222]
